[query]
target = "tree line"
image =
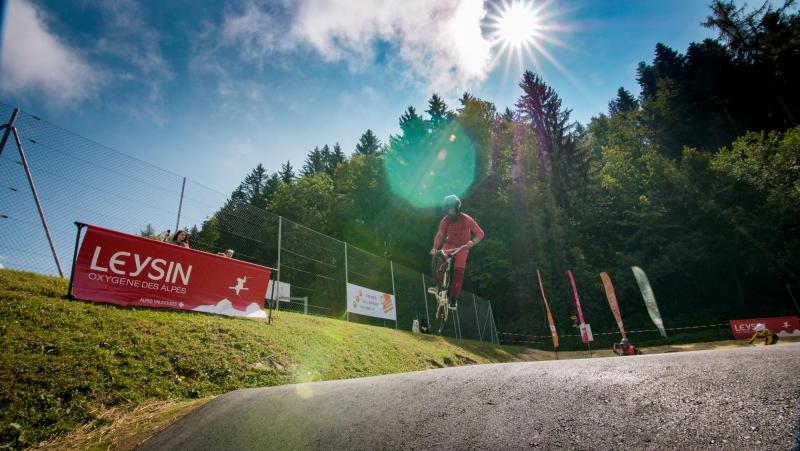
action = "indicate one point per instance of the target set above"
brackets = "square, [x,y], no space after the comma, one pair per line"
[696,179]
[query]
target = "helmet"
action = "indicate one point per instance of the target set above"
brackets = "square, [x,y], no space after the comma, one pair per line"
[451,205]
[624,342]
[759,327]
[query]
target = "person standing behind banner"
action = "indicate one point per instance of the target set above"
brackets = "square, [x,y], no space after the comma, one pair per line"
[228,253]
[181,238]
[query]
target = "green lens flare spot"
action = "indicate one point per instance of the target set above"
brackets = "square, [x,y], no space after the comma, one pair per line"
[422,171]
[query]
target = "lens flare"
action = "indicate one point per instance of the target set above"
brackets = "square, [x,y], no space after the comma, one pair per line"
[303,391]
[423,171]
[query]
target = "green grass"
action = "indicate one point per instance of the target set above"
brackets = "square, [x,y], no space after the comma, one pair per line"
[64,362]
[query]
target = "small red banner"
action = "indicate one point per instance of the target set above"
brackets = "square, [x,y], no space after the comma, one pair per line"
[784,326]
[129,270]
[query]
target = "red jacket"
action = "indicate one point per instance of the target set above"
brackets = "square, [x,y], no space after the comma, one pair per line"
[458,231]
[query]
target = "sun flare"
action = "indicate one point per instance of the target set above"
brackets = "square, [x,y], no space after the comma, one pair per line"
[523,31]
[517,25]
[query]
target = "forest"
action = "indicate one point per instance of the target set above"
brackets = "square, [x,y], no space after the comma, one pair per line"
[695,179]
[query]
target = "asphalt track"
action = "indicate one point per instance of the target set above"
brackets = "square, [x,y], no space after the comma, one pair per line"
[741,398]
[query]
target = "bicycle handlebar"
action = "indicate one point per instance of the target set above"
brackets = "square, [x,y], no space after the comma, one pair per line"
[452,252]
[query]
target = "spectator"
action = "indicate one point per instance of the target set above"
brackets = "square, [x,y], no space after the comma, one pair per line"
[228,253]
[181,238]
[624,347]
[166,235]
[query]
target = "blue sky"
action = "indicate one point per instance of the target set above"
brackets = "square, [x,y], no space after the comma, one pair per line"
[208,89]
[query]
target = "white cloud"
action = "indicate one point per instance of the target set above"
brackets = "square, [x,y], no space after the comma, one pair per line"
[225,307]
[253,32]
[438,44]
[124,53]
[36,60]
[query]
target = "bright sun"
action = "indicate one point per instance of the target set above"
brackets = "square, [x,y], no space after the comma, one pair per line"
[521,31]
[517,25]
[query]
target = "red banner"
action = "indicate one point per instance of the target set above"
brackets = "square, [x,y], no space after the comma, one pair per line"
[582,326]
[784,326]
[612,301]
[129,270]
[552,324]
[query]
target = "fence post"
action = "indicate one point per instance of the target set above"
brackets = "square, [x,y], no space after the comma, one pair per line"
[477,321]
[425,300]
[8,128]
[278,278]
[180,206]
[394,293]
[458,325]
[80,227]
[494,327]
[305,305]
[346,281]
[36,199]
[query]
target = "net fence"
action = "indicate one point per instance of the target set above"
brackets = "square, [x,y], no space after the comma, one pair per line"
[77,179]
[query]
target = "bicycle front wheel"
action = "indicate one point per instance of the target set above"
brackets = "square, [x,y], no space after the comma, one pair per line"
[441,316]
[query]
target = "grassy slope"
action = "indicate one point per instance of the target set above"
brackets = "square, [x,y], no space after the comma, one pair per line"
[64,363]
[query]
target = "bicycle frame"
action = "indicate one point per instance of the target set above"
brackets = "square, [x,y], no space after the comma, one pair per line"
[442,263]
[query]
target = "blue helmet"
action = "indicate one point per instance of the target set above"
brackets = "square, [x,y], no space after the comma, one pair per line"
[451,205]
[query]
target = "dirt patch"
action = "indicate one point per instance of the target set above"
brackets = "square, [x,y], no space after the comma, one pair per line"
[122,428]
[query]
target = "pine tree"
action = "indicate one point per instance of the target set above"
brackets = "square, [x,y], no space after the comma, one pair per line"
[368,144]
[252,188]
[623,103]
[465,99]
[437,109]
[271,186]
[315,162]
[412,125]
[540,109]
[287,172]
[508,115]
[336,158]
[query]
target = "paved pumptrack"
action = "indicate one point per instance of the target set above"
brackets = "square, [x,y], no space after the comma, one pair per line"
[724,399]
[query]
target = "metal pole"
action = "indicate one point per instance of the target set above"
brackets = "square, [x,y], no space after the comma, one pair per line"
[273,297]
[425,299]
[494,326]
[394,293]
[80,226]
[305,305]
[180,206]
[36,199]
[477,321]
[485,322]
[278,278]
[458,325]
[346,281]
[789,288]
[8,128]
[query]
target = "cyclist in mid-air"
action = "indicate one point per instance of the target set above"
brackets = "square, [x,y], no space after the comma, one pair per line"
[460,230]
[762,333]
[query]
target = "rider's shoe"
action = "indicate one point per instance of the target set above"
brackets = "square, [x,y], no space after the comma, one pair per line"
[453,305]
[433,290]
